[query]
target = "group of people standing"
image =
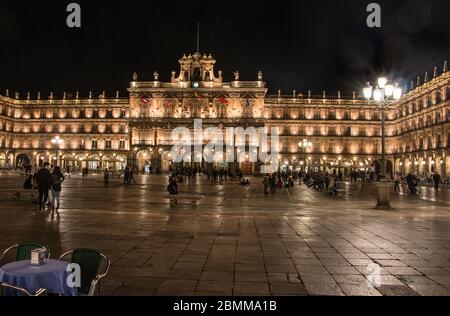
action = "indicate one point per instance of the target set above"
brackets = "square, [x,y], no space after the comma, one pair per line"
[47,179]
[413,181]
[128,175]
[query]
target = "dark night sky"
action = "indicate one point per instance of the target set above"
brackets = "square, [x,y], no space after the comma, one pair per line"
[299,45]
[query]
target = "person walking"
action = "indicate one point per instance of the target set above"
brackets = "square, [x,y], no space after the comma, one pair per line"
[436,180]
[266,185]
[397,182]
[106,176]
[43,182]
[131,176]
[56,178]
[411,181]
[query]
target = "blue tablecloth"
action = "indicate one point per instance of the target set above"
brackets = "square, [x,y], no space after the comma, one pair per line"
[51,276]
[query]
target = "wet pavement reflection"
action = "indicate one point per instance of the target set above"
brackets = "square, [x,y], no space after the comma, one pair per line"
[226,239]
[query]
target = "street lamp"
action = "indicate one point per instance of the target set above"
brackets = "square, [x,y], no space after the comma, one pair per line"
[305,144]
[383,94]
[57,141]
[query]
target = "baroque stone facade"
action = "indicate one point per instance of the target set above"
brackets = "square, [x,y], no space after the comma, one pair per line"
[344,133]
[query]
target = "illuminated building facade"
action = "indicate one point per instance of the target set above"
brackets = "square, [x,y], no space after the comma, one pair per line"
[339,132]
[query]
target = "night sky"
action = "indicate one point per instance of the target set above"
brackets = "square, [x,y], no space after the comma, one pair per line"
[303,45]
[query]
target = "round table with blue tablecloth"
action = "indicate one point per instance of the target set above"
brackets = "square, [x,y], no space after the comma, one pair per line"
[52,276]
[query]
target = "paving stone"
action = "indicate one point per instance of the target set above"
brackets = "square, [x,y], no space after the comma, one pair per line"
[323,289]
[430,290]
[396,290]
[296,289]
[251,287]
[359,290]
[250,277]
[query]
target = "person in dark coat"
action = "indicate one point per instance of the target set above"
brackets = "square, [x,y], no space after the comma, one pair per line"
[411,181]
[56,178]
[43,182]
[28,184]
[436,180]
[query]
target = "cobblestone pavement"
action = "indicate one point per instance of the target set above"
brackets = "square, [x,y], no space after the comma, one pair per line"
[233,240]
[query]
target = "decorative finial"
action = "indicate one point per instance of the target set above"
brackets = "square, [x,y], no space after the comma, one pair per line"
[324,94]
[236,75]
[135,77]
[64,95]
[354,95]
[418,81]
[103,94]
[28,95]
[155,76]
[426,77]
[411,87]
[339,94]
[38,95]
[294,93]
[309,94]
[435,72]
[51,96]
[260,76]
[445,67]
[77,95]
[7,93]
[220,74]
[117,94]
[173,74]
[90,94]
[279,93]
[17,95]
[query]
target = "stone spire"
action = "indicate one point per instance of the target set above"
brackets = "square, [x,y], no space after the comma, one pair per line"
[418,81]
[411,87]
[425,80]
[445,67]
[28,95]
[435,72]
[135,76]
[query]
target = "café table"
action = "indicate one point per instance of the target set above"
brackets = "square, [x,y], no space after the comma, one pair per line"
[51,275]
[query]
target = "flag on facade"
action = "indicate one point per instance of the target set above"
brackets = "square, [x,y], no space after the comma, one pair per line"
[198,96]
[223,100]
[145,99]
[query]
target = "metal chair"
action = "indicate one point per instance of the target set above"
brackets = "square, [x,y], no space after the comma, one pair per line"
[23,250]
[89,261]
[21,291]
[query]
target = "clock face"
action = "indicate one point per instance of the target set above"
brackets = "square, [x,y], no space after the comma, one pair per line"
[196,84]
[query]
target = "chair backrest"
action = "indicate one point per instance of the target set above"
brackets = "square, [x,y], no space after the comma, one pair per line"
[19,290]
[24,250]
[89,261]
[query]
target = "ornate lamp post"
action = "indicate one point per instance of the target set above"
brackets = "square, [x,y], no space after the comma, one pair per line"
[57,141]
[383,94]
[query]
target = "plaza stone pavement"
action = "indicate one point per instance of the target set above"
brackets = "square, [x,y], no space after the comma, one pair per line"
[233,240]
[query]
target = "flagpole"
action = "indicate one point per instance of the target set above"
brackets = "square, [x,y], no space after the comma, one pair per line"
[198,37]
